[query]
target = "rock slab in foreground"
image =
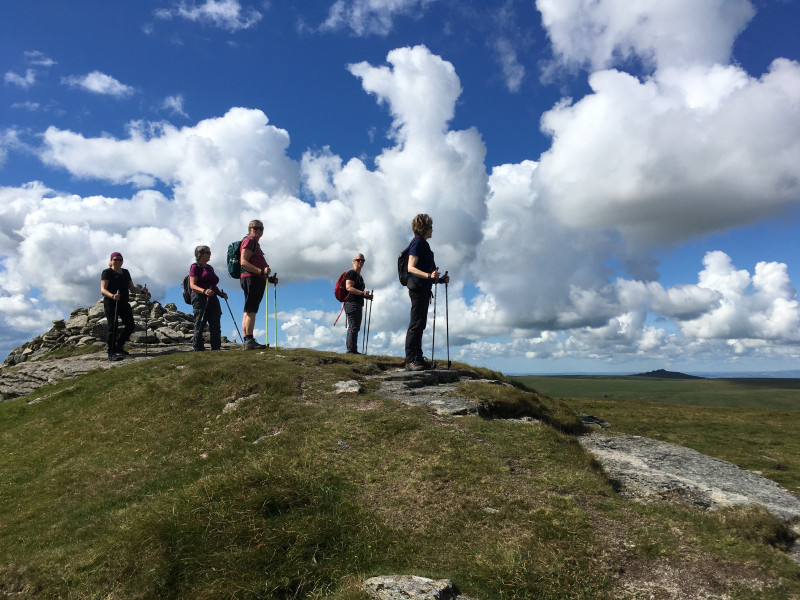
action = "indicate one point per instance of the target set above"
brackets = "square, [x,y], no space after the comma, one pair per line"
[436,389]
[402,587]
[649,470]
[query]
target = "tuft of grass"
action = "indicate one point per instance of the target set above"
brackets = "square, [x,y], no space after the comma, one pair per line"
[137,483]
[503,402]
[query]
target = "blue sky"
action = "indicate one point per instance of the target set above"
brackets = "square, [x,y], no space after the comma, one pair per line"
[614,184]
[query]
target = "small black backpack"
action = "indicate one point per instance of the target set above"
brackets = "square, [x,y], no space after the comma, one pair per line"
[187,292]
[402,266]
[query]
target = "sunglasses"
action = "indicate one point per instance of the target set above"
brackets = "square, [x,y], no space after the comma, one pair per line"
[258,228]
[358,260]
[116,259]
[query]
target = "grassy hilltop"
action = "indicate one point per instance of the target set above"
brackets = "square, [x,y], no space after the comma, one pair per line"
[135,483]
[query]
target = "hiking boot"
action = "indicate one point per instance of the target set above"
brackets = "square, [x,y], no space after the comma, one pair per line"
[254,345]
[415,366]
[114,358]
[120,351]
[353,352]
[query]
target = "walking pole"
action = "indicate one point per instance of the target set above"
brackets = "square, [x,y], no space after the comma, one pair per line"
[433,343]
[145,333]
[447,321]
[365,335]
[275,291]
[114,331]
[202,320]
[369,319]
[234,320]
[364,311]
[266,334]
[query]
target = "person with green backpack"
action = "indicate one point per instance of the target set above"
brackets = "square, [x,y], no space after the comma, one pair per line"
[254,276]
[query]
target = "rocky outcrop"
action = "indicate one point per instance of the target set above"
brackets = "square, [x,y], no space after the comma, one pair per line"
[24,378]
[156,325]
[436,389]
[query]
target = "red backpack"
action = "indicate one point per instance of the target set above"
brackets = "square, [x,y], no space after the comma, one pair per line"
[340,291]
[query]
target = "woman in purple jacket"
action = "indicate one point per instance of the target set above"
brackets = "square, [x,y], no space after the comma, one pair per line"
[203,283]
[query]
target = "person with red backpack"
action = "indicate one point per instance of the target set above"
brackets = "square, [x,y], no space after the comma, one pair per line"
[354,302]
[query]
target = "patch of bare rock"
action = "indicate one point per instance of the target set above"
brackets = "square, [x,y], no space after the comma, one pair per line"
[403,587]
[436,389]
[649,470]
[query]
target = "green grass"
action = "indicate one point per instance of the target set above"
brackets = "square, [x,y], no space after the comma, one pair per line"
[133,483]
[738,420]
[781,394]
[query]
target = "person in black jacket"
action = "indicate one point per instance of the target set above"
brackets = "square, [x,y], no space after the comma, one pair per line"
[354,303]
[422,274]
[115,285]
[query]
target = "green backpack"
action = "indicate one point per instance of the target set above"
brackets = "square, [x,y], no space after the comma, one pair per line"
[233,257]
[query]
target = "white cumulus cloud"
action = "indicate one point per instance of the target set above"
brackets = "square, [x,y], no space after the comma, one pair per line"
[99,83]
[639,163]
[602,33]
[23,81]
[370,17]
[225,14]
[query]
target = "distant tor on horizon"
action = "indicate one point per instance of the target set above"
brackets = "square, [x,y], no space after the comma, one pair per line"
[662,374]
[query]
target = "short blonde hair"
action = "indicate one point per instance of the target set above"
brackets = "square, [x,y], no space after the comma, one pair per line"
[421,223]
[253,223]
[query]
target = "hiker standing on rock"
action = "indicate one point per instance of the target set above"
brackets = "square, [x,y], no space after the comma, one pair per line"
[354,302]
[115,285]
[422,274]
[205,302]
[254,277]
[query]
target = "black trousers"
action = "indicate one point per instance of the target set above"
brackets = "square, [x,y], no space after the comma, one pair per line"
[114,339]
[420,299]
[206,312]
[354,312]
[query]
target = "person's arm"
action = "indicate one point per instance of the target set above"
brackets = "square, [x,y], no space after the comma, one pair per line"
[197,289]
[133,290]
[105,292]
[193,285]
[352,289]
[412,269]
[244,260]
